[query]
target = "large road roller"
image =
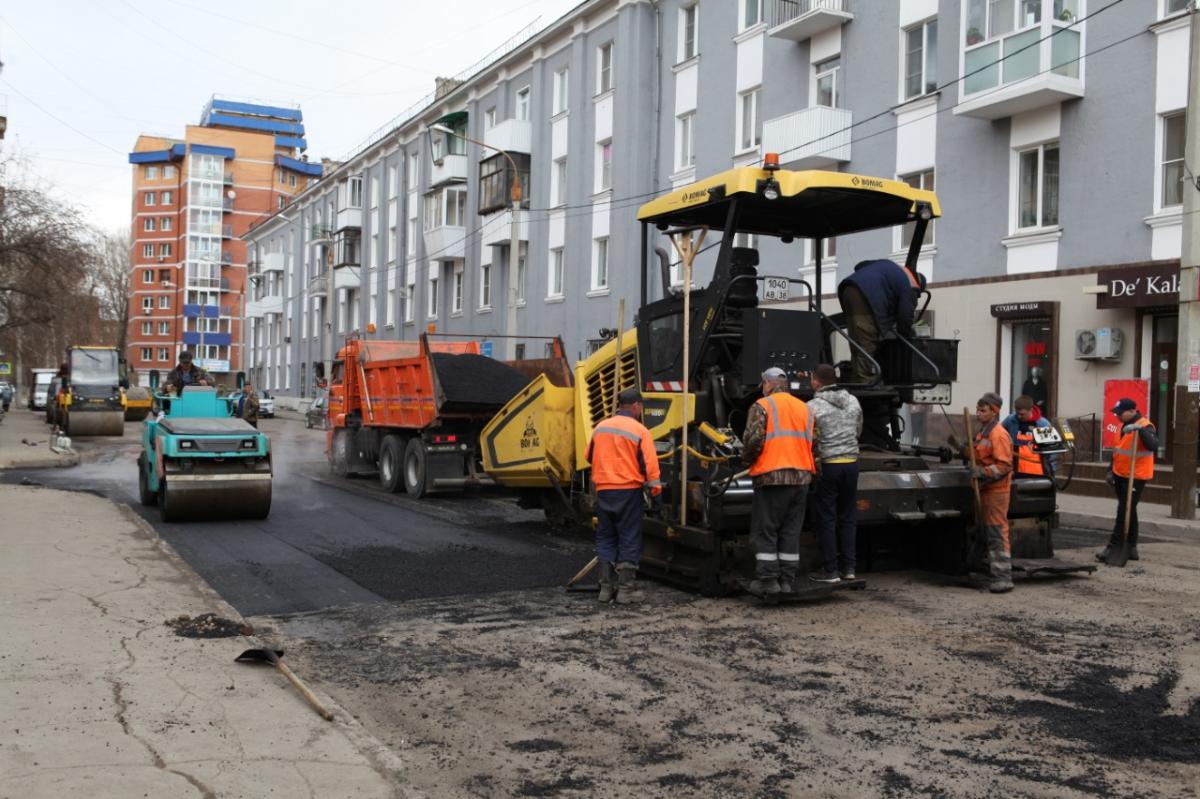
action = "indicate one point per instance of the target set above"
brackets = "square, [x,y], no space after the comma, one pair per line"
[89,400]
[199,461]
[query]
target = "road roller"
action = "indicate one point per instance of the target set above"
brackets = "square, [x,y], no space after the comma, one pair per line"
[89,399]
[199,461]
[137,403]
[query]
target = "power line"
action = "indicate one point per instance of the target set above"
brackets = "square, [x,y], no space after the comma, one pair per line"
[59,119]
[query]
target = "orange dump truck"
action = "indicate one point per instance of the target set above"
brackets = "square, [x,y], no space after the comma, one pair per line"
[411,411]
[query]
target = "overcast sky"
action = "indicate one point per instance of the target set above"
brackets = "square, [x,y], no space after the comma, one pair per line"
[84,77]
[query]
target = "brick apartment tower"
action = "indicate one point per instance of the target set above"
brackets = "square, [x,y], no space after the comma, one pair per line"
[193,199]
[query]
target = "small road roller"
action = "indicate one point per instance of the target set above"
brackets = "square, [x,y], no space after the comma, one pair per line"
[89,398]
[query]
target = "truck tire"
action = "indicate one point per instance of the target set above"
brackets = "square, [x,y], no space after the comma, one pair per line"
[147,497]
[391,464]
[416,476]
[339,453]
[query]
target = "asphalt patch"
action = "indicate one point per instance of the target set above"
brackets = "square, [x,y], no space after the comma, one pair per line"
[208,625]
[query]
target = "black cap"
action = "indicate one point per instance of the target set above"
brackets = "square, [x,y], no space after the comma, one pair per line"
[629,396]
[185,356]
[1124,404]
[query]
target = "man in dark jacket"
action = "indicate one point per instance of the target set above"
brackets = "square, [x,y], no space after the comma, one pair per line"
[879,297]
[248,405]
[187,374]
[837,424]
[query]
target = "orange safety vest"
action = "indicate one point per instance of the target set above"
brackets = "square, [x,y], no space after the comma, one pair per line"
[1143,469]
[788,442]
[995,452]
[617,443]
[1028,461]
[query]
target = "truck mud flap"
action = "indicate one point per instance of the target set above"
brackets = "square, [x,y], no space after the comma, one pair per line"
[1031,566]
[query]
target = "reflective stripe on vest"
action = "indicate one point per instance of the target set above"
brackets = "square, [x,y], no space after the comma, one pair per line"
[622,456]
[1028,461]
[788,441]
[1143,469]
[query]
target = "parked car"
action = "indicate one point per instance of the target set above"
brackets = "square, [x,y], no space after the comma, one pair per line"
[317,414]
[266,405]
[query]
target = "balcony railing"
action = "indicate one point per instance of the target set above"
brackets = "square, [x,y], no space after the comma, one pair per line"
[227,204]
[446,241]
[511,135]
[321,233]
[498,233]
[346,278]
[228,178]
[227,258]
[273,262]
[227,231]
[447,169]
[798,20]
[814,138]
[225,284]
[349,217]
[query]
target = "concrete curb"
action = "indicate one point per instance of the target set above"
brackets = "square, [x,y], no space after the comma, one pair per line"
[64,461]
[1091,521]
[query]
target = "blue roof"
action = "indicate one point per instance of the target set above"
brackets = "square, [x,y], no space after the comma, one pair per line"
[254,123]
[260,110]
[291,141]
[303,167]
[151,157]
[208,149]
[177,150]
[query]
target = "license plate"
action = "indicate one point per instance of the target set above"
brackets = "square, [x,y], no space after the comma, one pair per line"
[775,289]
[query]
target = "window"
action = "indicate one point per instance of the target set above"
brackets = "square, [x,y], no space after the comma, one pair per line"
[431,307]
[291,178]
[828,92]
[1037,186]
[604,76]
[456,207]
[412,237]
[164,354]
[489,118]
[147,304]
[151,198]
[687,31]
[604,166]
[281,202]
[562,90]
[495,182]
[600,264]
[521,279]
[433,211]
[147,250]
[485,286]
[554,282]
[164,250]
[748,136]
[165,223]
[374,190]
[828,251]
[282,177]
[1174,6]
[393,181]
[166,197]
[389,315]
[558,188]
[456,304]
[410,292]
[164,275]
[354,198]
[147,328]
[920,59]
[752,14]
[519,351]
[414,166]
[1172,165]
[168,172]
[447,207]
[148,224]
[523,104]
[918,180]
[151,173]
[164,328]
[685,154]
[148,276]
[164,301]
[147,353]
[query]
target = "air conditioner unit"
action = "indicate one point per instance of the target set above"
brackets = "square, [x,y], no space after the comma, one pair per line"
[1103,344]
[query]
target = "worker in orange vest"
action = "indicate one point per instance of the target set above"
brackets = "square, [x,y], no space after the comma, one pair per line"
[1141,468]
[993,471]
[778,447]
[1019,425]
[624,462]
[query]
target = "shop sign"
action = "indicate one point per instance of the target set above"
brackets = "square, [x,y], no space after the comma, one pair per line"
[1139,286]
[1114,390]
[213,364]
[1023,310]
[1194,378]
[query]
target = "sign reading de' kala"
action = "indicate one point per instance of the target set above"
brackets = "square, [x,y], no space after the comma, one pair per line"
[1139,286]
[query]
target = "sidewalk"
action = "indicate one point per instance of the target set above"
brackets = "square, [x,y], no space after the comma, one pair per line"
[1099,513]
[101,699]
[22,424]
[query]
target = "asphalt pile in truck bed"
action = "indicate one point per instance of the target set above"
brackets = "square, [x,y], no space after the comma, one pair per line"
[476,382]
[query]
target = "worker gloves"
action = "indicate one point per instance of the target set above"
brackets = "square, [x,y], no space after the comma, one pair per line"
[981,473]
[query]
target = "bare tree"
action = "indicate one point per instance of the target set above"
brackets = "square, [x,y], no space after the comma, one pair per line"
[110,281]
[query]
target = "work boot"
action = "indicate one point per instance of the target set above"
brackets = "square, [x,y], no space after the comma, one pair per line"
[608,581]
[627,588]
[764,586]
[1000,586]
[824,577]
[1133,555]
[787,585]
[1104,554]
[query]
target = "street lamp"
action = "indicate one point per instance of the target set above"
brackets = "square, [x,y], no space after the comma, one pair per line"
[510,317]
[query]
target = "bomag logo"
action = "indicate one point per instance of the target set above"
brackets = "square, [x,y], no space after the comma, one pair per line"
[655,413]
[698,195]
[530,438]
[867,183]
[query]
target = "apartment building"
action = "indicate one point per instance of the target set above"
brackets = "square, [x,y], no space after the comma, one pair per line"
[1052,131]
[193,199]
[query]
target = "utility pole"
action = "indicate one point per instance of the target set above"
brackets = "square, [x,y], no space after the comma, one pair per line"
[1187,355]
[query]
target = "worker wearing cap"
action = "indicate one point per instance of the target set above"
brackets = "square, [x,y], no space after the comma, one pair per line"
[187,374]
[878,298]
[778,447]
[1020,424]
[624,462]
[1134,427]
[993,471]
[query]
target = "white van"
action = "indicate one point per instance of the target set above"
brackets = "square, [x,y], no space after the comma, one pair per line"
[41,384]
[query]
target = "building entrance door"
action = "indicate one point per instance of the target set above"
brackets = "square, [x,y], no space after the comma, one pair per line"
[1162,381]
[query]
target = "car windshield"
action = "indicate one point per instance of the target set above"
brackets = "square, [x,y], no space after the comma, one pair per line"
[43,379]
[94,367]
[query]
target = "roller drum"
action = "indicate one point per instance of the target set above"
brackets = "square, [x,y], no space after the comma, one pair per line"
[94,423]
[204,494]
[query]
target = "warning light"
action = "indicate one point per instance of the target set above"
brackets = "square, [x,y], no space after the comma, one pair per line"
[771,162]
[370,327]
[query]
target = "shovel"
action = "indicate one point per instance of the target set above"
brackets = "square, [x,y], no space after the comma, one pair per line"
[584,572]
[273,656]
[1119,557]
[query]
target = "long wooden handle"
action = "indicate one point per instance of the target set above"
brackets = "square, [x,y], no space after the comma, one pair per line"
[584,572]
[1129,487]
[971,449]
[303,689]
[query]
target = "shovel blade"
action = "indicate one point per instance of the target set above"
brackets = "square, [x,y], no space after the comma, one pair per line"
[1118,557]
[259,656]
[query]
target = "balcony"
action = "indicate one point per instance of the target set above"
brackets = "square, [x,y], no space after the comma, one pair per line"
[349,217]
[225,284]
[1047,73]
[320,233]
[264,306]
[346,249]
[511,135]
[318,285]
[273,262]
[228,178]
[227,205]
[815,138]
[227,258]
[346,278]
[797,20]
[447,169]
[445,241]
[498,233]
[214,339]
[227,231]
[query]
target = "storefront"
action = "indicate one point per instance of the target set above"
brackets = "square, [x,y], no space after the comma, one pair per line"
[1027,352]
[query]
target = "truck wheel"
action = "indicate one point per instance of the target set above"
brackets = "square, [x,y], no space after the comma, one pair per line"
[416,479]
[339,453]
[145,495]
[391,463]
